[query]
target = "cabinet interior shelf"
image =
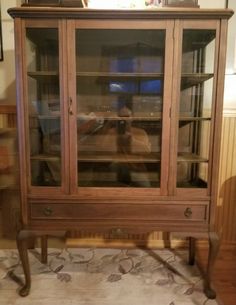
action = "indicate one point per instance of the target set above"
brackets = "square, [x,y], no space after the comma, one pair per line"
[47,117]
[118,75]
[113,117]
[44,76]
[135,117]
[122,158]
[106,116]
[44,157]
[183,121]
[192,79]
[187,78]
[189,157]
[190,119]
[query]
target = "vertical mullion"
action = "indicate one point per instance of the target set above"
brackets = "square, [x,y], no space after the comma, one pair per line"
[176,87]
[21,80]
[71,102]
[167,97]
[62,32]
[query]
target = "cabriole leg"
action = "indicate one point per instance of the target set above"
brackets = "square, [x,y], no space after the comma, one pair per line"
[192,248]
[22,245]
[213,251]
[44,249]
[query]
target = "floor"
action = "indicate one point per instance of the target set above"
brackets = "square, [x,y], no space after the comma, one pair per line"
[104,276]
[224,273]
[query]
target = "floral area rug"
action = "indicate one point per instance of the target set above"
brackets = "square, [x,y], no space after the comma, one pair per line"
[103,277]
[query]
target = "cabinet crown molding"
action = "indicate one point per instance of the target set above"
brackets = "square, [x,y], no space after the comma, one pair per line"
[82,13]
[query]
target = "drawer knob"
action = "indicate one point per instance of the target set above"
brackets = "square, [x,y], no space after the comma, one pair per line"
[47,211]
[188,213]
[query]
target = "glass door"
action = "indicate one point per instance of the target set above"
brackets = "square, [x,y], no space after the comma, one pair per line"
[120,85]
[43,103]
[196,106]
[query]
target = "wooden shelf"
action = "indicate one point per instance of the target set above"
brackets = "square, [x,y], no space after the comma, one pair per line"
[111,116]
[190,119]
[118,75]
[44,76]
[183,121]
[121,158]
[193,79]
[46,158]
[192,158]
[47,117]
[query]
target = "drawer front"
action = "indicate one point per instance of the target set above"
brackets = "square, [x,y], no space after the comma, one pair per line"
[146,212]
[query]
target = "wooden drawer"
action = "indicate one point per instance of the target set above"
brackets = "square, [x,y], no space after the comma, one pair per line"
[142,212]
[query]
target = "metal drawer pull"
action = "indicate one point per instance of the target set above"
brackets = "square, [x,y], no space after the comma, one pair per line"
[47,211]
[188,213]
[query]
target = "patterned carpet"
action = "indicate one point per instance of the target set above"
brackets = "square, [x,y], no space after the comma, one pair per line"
[103,277]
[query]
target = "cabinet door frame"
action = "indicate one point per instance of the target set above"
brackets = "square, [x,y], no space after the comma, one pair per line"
[127,193]
[182,25]
[42,191]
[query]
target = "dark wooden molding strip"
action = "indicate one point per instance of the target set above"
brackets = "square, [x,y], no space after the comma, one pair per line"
[84,13]
[7,109]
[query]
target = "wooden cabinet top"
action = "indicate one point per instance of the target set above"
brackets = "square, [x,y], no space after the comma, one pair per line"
[82,13]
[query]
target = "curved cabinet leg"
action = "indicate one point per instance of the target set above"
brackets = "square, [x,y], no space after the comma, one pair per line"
[22,240]
[214,244]
[22,245]
[44,249]
[192,248]
[166,239]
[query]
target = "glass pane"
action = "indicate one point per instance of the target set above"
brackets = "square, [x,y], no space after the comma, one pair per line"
[42,59]
[119,107]
[195,107]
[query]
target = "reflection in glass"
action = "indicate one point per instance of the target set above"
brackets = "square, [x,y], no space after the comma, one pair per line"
[119,107]
[195,107]
[42,58]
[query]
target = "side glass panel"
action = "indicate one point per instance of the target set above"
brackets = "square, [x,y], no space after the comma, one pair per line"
[42,64]
[195,112]
[119,107]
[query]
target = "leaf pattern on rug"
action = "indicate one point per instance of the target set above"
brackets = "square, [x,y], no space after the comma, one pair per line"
[64,277]
[163,282]
[158,269]
[114,278]
[189,291]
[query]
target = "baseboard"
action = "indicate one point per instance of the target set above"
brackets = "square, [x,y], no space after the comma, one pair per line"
[125,243]
[122,243]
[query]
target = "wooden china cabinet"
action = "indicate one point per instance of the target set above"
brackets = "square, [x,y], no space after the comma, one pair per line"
[119,121]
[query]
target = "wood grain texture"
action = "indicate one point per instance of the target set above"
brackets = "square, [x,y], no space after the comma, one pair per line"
[224,278]
[226,202]
[226,199]
[164,13]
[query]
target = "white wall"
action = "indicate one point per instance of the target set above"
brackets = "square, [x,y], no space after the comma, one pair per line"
[211,3]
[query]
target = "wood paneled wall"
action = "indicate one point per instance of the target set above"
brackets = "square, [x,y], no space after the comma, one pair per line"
[226,205]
